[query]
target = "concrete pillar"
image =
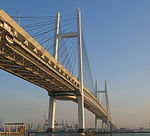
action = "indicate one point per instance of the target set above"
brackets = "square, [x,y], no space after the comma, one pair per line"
[80,73]
[81,113]
[105,126]
[111,128]
[102,126]
[108,126]
[96,123]
[51,114]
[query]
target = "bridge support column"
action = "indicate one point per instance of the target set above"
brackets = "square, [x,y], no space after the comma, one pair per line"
[80,73]
[102,126]
[51,114]
[81,114]
[108,127]
[96,123]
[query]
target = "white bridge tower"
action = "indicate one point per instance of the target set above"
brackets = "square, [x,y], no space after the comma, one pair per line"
[80,97]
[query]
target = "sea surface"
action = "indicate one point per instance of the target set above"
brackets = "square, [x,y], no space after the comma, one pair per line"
[129,134]
[75,134]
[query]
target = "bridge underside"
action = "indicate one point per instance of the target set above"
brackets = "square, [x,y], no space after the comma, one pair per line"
[22,56]
[16,64]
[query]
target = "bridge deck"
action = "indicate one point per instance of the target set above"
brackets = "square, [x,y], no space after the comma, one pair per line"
[22,56]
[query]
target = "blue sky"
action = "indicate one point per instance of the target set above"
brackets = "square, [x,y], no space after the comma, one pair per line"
[117,34]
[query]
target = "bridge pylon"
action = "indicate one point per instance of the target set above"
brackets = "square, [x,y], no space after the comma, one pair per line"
[106,125]
[80,96]
[81,121]
[52,100]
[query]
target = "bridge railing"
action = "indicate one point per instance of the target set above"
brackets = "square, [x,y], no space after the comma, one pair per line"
[19,34]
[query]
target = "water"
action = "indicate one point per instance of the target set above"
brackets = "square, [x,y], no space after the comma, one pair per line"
[130,135]
[75,134]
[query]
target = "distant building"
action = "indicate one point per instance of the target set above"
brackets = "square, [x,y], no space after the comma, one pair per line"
[123,129]
[147,129]
[141,129]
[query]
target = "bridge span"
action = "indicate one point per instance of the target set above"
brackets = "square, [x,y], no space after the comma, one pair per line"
[24,57]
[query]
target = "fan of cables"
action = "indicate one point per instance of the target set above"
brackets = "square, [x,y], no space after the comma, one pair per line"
[42,29]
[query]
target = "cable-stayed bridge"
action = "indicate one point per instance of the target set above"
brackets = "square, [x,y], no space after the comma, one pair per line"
[50,52]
